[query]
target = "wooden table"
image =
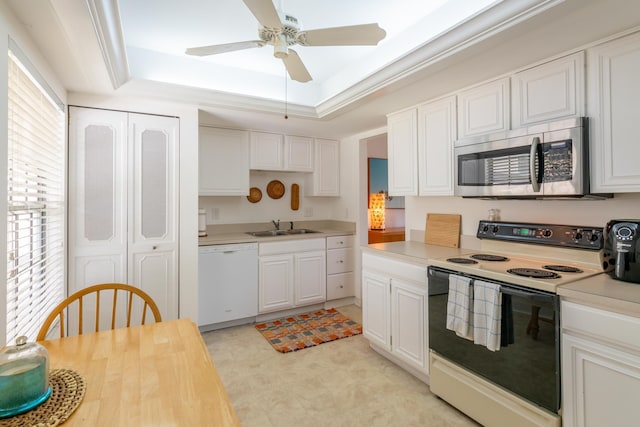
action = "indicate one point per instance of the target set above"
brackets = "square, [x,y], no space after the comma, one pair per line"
[154,375]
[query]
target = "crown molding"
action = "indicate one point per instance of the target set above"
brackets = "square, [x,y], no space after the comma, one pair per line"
[105,17]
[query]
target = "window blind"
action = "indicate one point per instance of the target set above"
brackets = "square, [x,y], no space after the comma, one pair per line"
[36,202]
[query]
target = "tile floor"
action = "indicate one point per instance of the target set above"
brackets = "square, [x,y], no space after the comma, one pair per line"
[341,383]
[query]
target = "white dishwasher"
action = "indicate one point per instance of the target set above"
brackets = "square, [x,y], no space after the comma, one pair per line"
[227,285]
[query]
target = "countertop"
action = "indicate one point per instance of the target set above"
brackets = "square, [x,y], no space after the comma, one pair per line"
[604,292]
[599,291]
[237,233]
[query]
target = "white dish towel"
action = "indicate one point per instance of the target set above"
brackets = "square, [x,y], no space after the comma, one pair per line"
[487,314]
[459,305]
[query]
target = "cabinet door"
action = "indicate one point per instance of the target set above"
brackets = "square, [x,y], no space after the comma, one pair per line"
[275,290]
[376,318]
[153,209]
[600,386]
[409,324]
[267,151]
[613,92]
[436,136]
[98,202]
[310,278]
[298,156]
[550,91]
[484,109]
[402,150]
[325,179]
[223,162]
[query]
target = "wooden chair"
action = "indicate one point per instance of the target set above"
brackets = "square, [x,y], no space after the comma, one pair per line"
[95,291]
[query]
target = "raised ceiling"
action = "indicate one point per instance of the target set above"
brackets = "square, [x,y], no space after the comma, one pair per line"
[135,48]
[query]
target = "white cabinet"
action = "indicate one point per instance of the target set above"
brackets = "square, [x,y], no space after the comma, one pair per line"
[612,105]
[298,153]
[484,109]
[402,149]
[270,151]
[291,274]
[394,309]
[267,151]
[123,207]
[223,162]
[325,179]
[340,262]
[436,136]
[600,367]
[550,91]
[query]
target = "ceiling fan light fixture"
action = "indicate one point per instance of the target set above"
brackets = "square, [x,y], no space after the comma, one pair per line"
[280,46]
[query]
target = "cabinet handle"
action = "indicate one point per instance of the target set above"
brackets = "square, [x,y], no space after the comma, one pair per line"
[341,286]
[155,247]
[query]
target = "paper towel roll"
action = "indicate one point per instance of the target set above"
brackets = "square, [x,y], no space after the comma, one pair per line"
[202,222]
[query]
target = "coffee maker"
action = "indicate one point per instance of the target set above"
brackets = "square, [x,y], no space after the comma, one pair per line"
[621,253]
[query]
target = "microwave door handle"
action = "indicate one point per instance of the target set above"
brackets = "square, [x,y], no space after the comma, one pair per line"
[532,164]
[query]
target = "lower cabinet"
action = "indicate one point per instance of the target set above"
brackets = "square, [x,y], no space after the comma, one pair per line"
[291,274]
[600,367]
[394,309]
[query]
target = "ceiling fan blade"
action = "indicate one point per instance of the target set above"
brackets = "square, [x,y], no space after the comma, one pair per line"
[265,12]
[223,48]
[353,35]
[295,67]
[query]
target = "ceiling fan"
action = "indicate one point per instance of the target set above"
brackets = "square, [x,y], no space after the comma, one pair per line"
[281,31]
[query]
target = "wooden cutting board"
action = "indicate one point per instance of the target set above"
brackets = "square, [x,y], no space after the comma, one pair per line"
[443,230]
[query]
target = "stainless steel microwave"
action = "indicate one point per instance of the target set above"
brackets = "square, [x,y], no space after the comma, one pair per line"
[543,161]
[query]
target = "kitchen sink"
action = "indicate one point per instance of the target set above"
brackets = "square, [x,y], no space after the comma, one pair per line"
[274,233]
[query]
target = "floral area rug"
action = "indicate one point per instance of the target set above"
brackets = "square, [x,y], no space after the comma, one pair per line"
[294,333]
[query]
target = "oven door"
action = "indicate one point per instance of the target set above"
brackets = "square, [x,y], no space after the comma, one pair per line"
[529,365]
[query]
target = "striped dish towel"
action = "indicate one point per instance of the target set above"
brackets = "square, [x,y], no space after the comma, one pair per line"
[487,314]
[459,305]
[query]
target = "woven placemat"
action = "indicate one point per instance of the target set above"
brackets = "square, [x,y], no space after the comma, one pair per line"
[67,391]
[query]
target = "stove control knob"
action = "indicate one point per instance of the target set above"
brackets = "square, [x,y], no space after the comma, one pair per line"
[578,236]
[485,229]
[547,233]
[594,237]
[495,228]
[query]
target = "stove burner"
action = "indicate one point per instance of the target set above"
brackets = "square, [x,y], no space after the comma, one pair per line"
[488,257]
[462,260]
[534,273]
[562,268]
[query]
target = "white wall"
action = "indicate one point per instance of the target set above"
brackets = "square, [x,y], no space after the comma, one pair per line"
[10,27]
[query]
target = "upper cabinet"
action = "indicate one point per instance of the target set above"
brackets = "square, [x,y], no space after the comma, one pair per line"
[484,109]
[612,104]
[223,162]
[436,136]
[550,91]
[271,151]
[325,179]
[426,133]
[402,147]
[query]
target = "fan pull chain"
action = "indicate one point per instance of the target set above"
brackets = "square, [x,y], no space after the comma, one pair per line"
[286,116]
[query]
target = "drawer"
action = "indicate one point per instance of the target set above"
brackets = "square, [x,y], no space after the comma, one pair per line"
[339,260]
[291,246]
[339,286]
[601,324]
[337,242]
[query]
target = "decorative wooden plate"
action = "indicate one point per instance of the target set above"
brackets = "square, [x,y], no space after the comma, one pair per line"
[255,195]
[275,189]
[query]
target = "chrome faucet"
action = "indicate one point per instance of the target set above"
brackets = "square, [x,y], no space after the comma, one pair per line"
[290,225]
[276,224]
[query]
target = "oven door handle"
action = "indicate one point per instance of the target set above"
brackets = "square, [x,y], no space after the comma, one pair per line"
[520,293]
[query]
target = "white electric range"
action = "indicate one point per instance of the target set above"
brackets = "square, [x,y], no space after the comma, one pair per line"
[520,380]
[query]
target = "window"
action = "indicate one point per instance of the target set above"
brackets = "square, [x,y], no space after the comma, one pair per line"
[35,205]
